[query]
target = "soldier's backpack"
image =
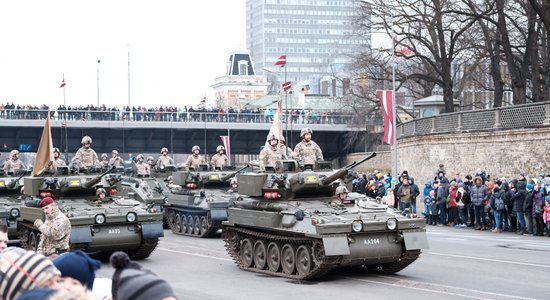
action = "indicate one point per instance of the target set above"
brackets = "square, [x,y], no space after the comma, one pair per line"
[499,203]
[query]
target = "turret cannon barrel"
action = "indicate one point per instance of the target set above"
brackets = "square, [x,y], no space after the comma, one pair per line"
[259,205]
[90,183]
[344,171]
[232,174]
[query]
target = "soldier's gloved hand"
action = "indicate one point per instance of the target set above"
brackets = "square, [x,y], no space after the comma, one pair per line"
[38,222]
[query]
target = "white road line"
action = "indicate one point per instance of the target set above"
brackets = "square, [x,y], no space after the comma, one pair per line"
[194,254]
[489,259]
[439,288]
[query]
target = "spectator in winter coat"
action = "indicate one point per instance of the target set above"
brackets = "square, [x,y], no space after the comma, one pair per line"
[415,192]
[528,207]
[441,193]
[518,196]
[546,215]
[478,194]
[538,209]
[495,204]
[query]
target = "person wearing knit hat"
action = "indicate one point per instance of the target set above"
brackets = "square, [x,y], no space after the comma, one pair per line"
[73,292]
[22,270]
[132,282]
[55,230]
[78,265]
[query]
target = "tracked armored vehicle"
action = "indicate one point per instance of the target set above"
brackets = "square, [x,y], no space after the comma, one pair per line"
[197,201]
[288,224]
[115,224]
[10,188]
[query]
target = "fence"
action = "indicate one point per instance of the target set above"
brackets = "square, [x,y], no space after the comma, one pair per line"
[520,116]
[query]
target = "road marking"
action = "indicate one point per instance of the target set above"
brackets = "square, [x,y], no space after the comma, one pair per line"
[439,288]
[489,259]
[194,254]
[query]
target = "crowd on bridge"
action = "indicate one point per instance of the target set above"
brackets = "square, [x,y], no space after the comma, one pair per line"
[520,205]
[172,114]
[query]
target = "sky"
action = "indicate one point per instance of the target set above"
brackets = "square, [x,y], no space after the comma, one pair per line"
[176,50]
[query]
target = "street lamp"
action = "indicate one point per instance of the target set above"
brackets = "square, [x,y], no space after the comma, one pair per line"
[98,61]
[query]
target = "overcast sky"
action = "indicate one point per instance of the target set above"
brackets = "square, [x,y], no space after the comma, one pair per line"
[177,48]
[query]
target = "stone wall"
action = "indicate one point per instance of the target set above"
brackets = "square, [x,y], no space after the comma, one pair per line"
[502,153]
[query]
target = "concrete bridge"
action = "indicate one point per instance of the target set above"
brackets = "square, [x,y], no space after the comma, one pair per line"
[337,136]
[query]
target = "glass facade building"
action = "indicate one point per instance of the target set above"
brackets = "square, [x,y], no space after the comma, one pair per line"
[317,36]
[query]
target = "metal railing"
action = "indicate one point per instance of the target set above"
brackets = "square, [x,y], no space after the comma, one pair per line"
[296,117]
[519,116]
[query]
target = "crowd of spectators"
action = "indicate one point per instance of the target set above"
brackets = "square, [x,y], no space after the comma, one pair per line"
[520,205]
[173,114]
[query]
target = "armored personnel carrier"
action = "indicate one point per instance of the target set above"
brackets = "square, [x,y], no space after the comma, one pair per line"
[117,223]
[197,201]
[10,189]
[288,224]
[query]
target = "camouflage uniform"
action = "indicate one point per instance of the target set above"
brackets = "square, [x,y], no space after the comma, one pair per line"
[142,169]
[308,152]
[12,165]
[194,161]
[59,162]
[165,161]
[116,161]
[104,163]
[219,161]
[55,233]
[289,153]
[270,156]
[86,157]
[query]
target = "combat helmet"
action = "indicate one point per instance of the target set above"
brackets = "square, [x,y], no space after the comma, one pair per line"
[220,148]
[196,148]
[86,139]
[341,189]
[55,149]
[140,156]
[164,150]
[99,191]
[14,152]
[272,136]
[114,152]
[104,155]
[304,131]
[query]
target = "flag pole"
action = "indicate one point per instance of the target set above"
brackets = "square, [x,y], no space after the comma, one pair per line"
[394,106]
[286,105]
[64,99]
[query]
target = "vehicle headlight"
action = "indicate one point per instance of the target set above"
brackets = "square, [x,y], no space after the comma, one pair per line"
[14,212]
[357,226]
[391,224]
[131,217]
[100,219]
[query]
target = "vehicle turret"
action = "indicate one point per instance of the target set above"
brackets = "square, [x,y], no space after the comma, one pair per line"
[295,184]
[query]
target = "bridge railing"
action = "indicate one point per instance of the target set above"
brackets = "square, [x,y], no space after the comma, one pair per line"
[519,116]
[301,117]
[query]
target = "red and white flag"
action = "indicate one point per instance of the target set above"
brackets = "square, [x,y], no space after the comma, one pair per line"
[287,86]
[386,98]
[62,83]
[227,146]
[281,61]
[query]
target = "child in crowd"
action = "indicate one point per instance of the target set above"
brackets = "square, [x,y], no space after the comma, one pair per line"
[389,199]
[546,216]
[427,209]
[434,209]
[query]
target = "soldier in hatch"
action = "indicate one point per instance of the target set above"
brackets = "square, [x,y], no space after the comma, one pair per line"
[195,159]
[307,150]
[164,160]
[272,155]
[86,156]
[219,160]
[142,168]
[116,160]
[341,195]
[14,164]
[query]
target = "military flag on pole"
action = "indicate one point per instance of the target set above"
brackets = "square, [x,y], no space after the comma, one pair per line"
[44,154]
[386,103]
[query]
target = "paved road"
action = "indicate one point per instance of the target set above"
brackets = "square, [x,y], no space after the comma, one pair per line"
[460,264]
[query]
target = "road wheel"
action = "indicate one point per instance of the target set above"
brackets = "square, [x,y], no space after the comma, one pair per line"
[175,223]
[288,258]
[304,261]
[33,241]
[190,225]
[274,256]
[197,223]
[183,223]
[204,225]
[247,256]
[260,254]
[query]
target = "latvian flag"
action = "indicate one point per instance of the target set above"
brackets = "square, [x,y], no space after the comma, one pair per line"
[281,61]
[287,86]
[386,104]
